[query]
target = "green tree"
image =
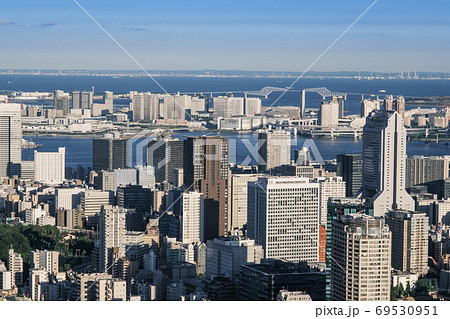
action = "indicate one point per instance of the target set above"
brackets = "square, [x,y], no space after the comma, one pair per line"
[401,290]
[407,292]
[435,284]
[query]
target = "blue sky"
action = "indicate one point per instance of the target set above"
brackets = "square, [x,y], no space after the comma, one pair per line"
[280,35]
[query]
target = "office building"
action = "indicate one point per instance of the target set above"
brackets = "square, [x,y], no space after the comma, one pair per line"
[100,287]
[165,154]
[349,167]
[108,100]
[86,285]
[225,256]
[126,176]
[176,107]
[192,218]
[226,107]
[239,191]
[61,101]
[198,105]
[45,259]
[134,197]
[368,106]
[15,266]
[440,213]
[395,104]
[302,156]
[70,218]
[384,163]
[252,106]
[283,217]
[10,139]
[111,289]
[439,187]
[49,167]
[389,103]
[145,176]
[340,100]
[361,255]
[150,260]
[112,230]
[329,187]
[274,149]
[338,207]
[82,100]
[109,154]
[409,241]
[399,105]
[421,169]
[107,181]
[264,281]
[91,202]
[329,114]
[145,107]
[27,170]
[5,278]
[37,277]
[206,171]
[67,198]
[298,170]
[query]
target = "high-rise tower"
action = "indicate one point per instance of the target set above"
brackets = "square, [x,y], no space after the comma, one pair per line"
[10,139]
[384,162]
[206,171]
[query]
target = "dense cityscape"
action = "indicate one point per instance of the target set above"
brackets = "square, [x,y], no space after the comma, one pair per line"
[239,153]
[159,217]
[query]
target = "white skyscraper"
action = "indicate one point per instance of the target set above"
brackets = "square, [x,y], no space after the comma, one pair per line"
[15,266]
[145,106]
[145,176]
[192,221]
[82,100]
[10,139]
[174,107]
[274,149]
[329,113]
[197,105]
[329,187]
[384,162]
[361,255]
[368,105]
[283,217]
[226,107]
[409,241]
[252,106]
[112,230]
[239,190]
[37,276]
[49,167]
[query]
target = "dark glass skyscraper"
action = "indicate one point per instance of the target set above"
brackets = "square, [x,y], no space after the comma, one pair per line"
[109,154]
[349,166]
[165,155]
